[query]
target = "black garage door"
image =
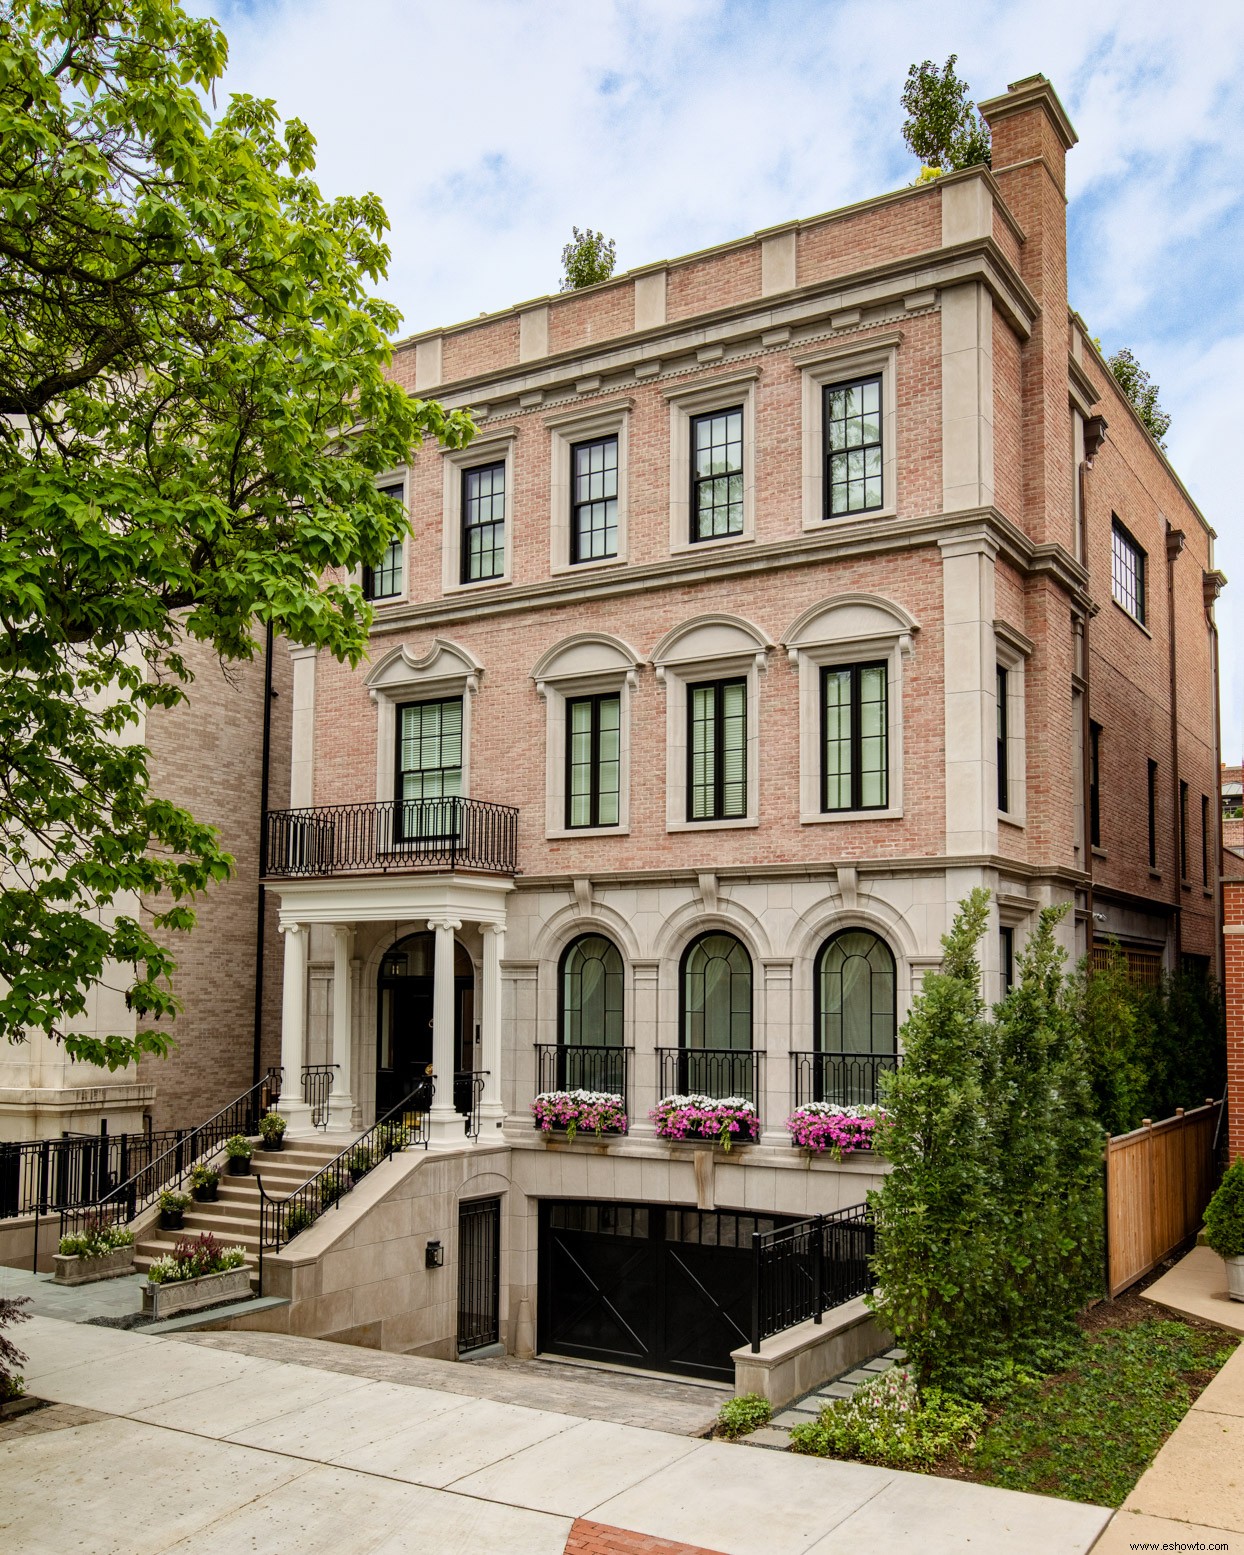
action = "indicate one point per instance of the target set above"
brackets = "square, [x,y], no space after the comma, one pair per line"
[647,1285]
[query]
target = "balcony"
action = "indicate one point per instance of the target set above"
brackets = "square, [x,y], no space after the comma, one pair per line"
[425,834]
[843,1079]
[583,1067]
[715,1072]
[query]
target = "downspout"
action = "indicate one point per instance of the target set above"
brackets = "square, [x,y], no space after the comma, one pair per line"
[1175,544]
[261,898]
[1211,582]
[1086,740]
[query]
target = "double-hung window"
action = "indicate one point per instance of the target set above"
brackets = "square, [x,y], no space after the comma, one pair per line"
[1003,788]
[483,522]
[853,452]
[717,750]
[594,500]
[855,762]
[384,581]
[593,760]
[429,768]
[1127,572]
[717,474]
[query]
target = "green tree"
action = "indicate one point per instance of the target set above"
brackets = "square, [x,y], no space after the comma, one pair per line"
[1135,383]
[588,258]
[943,127]
[193,411]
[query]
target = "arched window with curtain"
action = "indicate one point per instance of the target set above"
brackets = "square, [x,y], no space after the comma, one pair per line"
[856,1031]
[590,1053]
[715,1029]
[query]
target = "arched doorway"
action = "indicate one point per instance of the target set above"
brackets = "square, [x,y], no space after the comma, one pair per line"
[404,996]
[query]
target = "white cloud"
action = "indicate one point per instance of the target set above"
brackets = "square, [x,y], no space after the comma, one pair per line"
[489,127]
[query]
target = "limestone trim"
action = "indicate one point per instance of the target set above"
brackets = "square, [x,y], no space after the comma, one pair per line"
[490,446]
[967,398]
[584,664]
[686,401]
[302,746]
[848,629]
[877,917]
[821,369]
[689,920]
[565,430]
[446,670]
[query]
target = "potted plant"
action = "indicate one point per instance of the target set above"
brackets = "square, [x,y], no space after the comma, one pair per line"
[272,1127]
[725,1120]
[823,1128]
[604,1112]
[238,1151]
[1224,1227]
[204,1184]
[298,1219]
[173,1207]
[359,1162]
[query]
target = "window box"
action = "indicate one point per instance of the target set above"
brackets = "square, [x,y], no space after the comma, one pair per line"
[601,1112]
[822,1128]
[724,1121]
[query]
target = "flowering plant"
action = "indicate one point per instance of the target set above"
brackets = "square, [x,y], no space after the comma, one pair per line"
[720,1118]
[600,1111]
[95,1241]
[191,1260]
[823,1127]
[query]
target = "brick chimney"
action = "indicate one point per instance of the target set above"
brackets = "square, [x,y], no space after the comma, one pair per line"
[1031,138]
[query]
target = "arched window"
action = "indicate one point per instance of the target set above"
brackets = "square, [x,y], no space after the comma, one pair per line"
[856,1028]
[589,1032]
[716,1025]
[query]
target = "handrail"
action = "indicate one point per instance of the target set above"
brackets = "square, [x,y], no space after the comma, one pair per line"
[802,1270]
[122,1203]
[468,1093]
[317,1085]
[843,1079]
[711,1071]
[327,1187]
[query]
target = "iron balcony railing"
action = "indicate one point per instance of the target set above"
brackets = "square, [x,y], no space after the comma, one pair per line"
[280,1220]
[403,834]
[169,1170]
[708,1071]
[317,1084]
[583,1067]
[38,1175]
[846,1079]
[800,1271]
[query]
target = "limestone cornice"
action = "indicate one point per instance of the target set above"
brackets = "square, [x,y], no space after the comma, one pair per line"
[823,871]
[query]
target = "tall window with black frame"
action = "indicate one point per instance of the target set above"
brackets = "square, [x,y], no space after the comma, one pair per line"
[483,522]
[594,500]
[717,750]
[855,763]
[717,474]
[384,581]
[853,450]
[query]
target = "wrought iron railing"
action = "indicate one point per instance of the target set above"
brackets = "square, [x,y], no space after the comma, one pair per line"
[280,1220]
[846,1079]
[710,1071]
[403,834]
[317,1084]
[468,1093]
[800,1271]
[582,1067]
[169,1170]
[46,1174]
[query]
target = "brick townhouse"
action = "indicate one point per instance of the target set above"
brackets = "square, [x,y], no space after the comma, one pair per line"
[789,591]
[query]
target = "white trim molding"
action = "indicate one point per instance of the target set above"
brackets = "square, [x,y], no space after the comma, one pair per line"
[565,430]
[490,447]
[446,670]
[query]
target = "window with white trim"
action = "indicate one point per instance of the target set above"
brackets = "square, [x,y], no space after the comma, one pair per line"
[586,681]
[593,760]
[483,522]
[850,403]
[478,512]
[713,461]
[588,486]
[853,456]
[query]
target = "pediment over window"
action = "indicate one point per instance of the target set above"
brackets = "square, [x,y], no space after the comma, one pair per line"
[710,640]
[850,618]
[445,668]
[586,656]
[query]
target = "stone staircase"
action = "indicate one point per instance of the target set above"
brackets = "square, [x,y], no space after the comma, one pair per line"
[234,1218]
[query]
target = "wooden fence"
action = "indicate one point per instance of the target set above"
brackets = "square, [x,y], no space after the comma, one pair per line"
[1158,1181]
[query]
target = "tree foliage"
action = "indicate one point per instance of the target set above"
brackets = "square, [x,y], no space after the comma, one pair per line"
[1135,383]
[989,1224]
[193,411]
[943,127]
[588,258]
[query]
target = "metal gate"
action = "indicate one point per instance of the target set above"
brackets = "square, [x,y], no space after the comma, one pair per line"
[647,1285]
[479,1273]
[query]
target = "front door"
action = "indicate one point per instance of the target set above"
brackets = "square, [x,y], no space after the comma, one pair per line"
[405,1051]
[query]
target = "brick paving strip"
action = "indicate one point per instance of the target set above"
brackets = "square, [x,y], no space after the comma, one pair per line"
[588,1538]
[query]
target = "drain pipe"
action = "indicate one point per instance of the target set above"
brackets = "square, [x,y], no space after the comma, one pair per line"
[261,896]
[1175,544]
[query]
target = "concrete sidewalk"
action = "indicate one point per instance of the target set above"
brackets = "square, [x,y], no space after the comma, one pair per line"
[190,1442]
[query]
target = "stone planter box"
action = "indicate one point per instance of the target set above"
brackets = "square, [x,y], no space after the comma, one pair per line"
[73,1270]
[190,1295]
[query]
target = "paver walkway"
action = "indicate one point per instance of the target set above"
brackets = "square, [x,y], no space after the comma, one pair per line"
[196,1445]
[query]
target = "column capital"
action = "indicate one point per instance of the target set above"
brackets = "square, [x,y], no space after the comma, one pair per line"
[492,928]
[452,924]
[292,928]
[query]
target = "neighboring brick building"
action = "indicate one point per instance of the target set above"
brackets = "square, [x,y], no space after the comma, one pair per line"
[789,591]
[1233,809]
[207,755]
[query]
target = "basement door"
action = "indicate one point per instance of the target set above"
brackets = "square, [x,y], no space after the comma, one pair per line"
[647,1285]
[479,1274]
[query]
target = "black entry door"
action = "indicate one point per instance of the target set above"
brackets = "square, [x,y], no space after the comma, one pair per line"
[647,1285]
[479,1274]
[405,1052]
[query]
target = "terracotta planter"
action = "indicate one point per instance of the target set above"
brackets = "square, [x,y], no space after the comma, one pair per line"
[191,1295]
[73,1270]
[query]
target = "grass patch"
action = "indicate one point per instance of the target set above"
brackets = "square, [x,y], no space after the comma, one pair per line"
[1090,1432]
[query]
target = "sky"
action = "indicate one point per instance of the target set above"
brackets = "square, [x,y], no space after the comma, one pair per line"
[490,127]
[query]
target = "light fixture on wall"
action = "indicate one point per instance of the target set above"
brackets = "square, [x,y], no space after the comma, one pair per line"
[433,1256]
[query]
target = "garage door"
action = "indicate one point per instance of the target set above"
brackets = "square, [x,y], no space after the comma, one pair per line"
[667,1289]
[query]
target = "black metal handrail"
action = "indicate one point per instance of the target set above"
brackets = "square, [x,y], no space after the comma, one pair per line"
[45,1174]
[317,1084]
[711,1071]
[800,1271]
[468,1093]
[573,1066]
[452,833]
[280,1220]
[845,1079]
[167,1171]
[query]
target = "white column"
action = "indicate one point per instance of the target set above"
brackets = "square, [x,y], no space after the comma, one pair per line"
[341,1097]
[445,1127]
[492,1109]
[294,1028]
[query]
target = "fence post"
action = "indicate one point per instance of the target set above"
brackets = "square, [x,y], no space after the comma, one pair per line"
[818,1253]
[755,1292]
[1107,1293]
